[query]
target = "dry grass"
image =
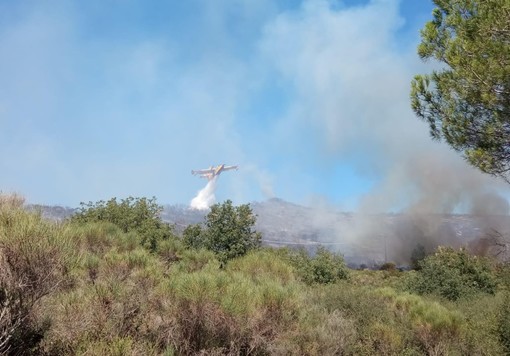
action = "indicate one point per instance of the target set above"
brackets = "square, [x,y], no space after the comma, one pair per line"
[11,201]
[35,258]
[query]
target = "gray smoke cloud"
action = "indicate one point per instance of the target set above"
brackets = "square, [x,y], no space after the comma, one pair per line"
[352,80]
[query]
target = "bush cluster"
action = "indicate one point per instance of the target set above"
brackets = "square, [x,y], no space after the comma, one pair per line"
[322,267]
[139,215]
[453,274]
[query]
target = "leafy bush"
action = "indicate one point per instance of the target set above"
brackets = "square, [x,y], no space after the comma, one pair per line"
[193,237]
[140,215]
[228,231]
[324,267]
[453,274]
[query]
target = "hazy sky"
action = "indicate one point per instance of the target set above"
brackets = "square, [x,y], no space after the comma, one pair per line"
[104,98]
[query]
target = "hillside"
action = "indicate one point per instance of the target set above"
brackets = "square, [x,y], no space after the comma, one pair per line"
[96,286]
[362,239]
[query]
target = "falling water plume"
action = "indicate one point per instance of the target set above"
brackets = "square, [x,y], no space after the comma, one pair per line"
[205,197]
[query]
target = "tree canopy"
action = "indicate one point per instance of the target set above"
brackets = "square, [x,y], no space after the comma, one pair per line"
[467,101]
[228,231]
[140,215]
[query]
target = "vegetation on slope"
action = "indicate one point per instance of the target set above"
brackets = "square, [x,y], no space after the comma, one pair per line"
[96,287]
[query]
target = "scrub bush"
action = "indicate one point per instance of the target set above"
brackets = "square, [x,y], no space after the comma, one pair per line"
[323,268]
[453,274]
[35,259]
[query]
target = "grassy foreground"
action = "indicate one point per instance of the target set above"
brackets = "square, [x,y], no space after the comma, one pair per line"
[93,288]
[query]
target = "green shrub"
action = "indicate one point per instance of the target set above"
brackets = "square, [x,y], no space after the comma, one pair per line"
[437,328]
[195,260]
[193,237]
[376,278]
[324,267]
[97,237]
[264,263]
[453,274]
[228,231]
[482,316]
[227,311]
[170,250]
[375,328]
[140,215]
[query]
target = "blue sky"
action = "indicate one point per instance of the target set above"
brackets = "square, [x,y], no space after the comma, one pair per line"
[108,98]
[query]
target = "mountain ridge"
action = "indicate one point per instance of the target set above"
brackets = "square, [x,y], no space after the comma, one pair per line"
[361,238]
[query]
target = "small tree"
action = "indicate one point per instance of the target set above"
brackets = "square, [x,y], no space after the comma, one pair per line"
[228,231]
[140,215]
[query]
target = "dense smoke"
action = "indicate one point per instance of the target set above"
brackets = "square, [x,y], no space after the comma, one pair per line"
[353,82]
[205,197]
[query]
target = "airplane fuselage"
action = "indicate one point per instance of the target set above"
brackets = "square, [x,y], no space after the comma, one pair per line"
[212,172]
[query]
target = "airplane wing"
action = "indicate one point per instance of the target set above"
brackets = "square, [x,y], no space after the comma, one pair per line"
[228,168]
[202,171]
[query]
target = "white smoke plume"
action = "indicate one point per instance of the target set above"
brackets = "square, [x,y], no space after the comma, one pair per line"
[352,79]
[205,197]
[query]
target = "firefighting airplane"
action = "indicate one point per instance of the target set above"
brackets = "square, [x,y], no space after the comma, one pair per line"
[212,172]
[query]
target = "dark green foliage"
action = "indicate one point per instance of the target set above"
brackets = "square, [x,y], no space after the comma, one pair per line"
[228,231]
[417,255]
[467,101]
[453,274]
[140,215]
[193,237]
[324,267]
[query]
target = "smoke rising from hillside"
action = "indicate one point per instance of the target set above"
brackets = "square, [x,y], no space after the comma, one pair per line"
[352,80]
[205,197]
